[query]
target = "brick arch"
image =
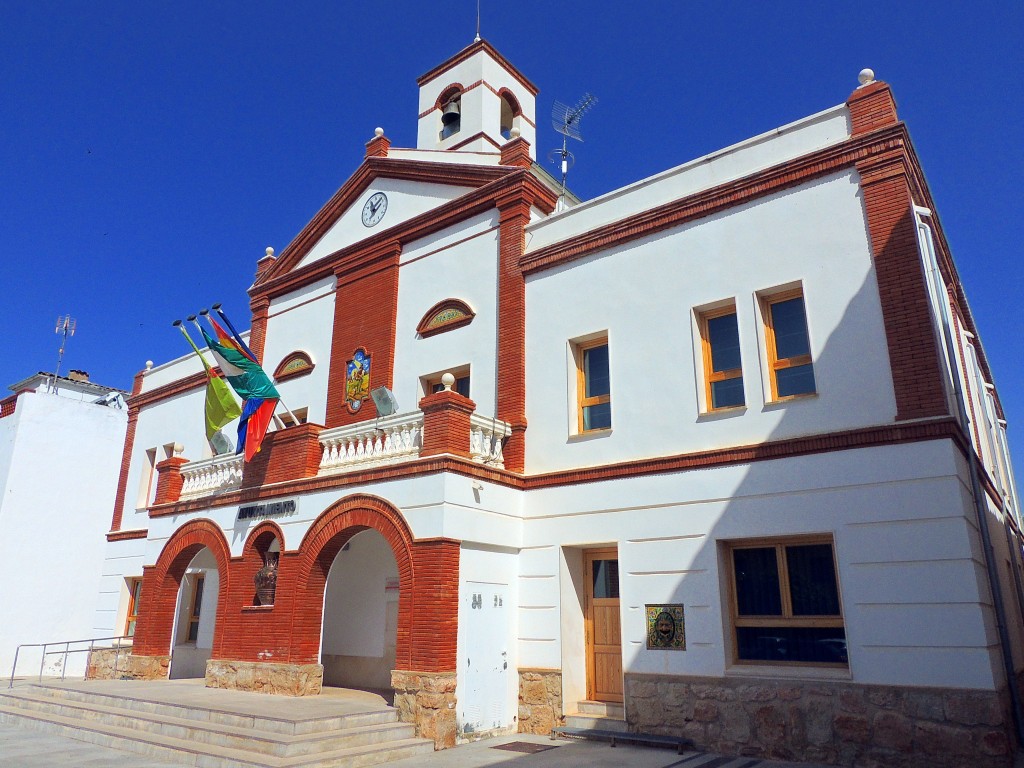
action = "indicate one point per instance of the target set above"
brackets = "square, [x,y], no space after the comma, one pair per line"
[427,582]
[267,526]
[162,581]
[253,553]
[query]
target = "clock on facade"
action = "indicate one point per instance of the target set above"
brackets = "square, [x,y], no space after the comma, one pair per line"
[373,210]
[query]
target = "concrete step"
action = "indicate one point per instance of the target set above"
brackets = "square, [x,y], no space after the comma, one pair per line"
[205,732]
[596,723]
[261,722]
[601,709]
[209,737]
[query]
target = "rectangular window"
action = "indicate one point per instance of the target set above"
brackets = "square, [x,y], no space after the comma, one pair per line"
[785,602]
[192,627]
[432,384]
[301,416]
[789,348]
[134,592]
[593,386]
[723,373]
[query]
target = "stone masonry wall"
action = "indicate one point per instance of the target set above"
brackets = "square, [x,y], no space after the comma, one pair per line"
[540,700]
[428,700]
[838,723]
[263,677]
[120,664]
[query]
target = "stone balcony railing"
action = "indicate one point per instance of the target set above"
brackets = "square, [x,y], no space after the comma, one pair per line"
[444,425]
[213,475]
[373,443]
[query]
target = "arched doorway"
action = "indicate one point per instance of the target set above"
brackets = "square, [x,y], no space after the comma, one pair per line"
[360,617]
[195,617]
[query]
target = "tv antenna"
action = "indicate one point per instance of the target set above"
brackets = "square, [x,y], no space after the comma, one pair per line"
[66,328]
[566,120]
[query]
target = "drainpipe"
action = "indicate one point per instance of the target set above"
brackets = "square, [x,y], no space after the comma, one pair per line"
[931,266]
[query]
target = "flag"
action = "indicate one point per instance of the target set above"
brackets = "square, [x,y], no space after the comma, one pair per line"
[250,382]
[221,406]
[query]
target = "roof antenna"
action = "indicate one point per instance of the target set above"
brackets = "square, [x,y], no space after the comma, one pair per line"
[65,327]
[566,120]
[477,38]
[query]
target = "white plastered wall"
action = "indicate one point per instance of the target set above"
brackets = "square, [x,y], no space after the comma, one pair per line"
[462,265]
[643,295]
[911,574]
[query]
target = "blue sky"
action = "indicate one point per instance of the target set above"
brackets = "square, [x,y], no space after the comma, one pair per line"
[150,152]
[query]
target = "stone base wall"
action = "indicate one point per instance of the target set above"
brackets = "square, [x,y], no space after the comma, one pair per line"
[838,723]
[121,664]
[427,699]
[264,677]
[540,700]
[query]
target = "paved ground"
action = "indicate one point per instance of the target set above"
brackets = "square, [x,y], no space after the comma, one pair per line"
[24,748]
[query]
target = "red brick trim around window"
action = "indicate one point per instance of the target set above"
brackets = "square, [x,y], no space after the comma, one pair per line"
[444,316]
[296,364]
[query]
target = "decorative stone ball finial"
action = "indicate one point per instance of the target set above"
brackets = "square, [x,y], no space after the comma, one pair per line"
[515,133]
[149,365]
[270,252]
[447,380]
[866,76]
[378,132]
[178,449]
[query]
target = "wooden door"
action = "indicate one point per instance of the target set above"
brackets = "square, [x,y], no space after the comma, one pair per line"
[604,640]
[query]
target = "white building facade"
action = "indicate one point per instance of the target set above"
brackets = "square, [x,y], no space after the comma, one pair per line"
[718,450]
[61,440]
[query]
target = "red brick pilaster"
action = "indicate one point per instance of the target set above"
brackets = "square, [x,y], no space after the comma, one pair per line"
[446,423]
[434,631]
[516,151]
[265,263]
[169,480]
[514,213]
[378,145]
[258,334]
[286,454]
[871,106]
[359,322]
[126,453]
[909,329]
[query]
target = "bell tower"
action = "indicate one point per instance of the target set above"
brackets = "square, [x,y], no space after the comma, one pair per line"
[472,101]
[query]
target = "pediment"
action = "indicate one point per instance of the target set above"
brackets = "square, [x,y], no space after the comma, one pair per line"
[412,188]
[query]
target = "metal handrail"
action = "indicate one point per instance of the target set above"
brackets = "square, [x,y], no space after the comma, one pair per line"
[67,650]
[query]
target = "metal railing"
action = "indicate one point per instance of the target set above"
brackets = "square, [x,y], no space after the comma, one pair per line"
[67,649]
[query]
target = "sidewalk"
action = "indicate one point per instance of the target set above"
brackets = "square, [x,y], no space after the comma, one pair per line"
[24,748]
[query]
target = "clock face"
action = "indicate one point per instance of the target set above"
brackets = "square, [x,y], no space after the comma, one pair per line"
[373,210]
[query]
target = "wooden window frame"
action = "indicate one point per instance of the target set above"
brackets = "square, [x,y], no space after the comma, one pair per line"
[302,414]
[710,375]
[193,617]
[132,615]
[786,619]
[582,401]
[429,384]
[775,363]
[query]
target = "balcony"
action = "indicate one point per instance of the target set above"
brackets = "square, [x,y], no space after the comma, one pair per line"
[446,425]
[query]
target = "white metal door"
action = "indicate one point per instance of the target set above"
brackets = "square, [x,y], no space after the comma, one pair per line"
[485,635]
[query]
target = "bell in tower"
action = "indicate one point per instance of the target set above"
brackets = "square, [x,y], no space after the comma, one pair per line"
[472,101]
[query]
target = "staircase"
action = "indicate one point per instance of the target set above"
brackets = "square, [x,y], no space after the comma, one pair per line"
[192,725]
[600,721]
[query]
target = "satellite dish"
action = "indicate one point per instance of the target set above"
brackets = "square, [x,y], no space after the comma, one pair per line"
[384,401]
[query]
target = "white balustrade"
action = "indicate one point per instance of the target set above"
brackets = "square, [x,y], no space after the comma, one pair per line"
[387,440]
[486,437]
[209,476]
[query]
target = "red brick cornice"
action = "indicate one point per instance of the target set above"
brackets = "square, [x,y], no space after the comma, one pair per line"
[766,182]
[894,434]
[467,52]
[506,180]
[140,533]
[455,174]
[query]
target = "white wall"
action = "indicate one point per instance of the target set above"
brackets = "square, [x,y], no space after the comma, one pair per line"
[911,573]
[61,458]
[406,199]
[644,294]
[442,266]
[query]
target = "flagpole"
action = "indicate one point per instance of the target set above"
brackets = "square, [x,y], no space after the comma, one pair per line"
[237,337]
